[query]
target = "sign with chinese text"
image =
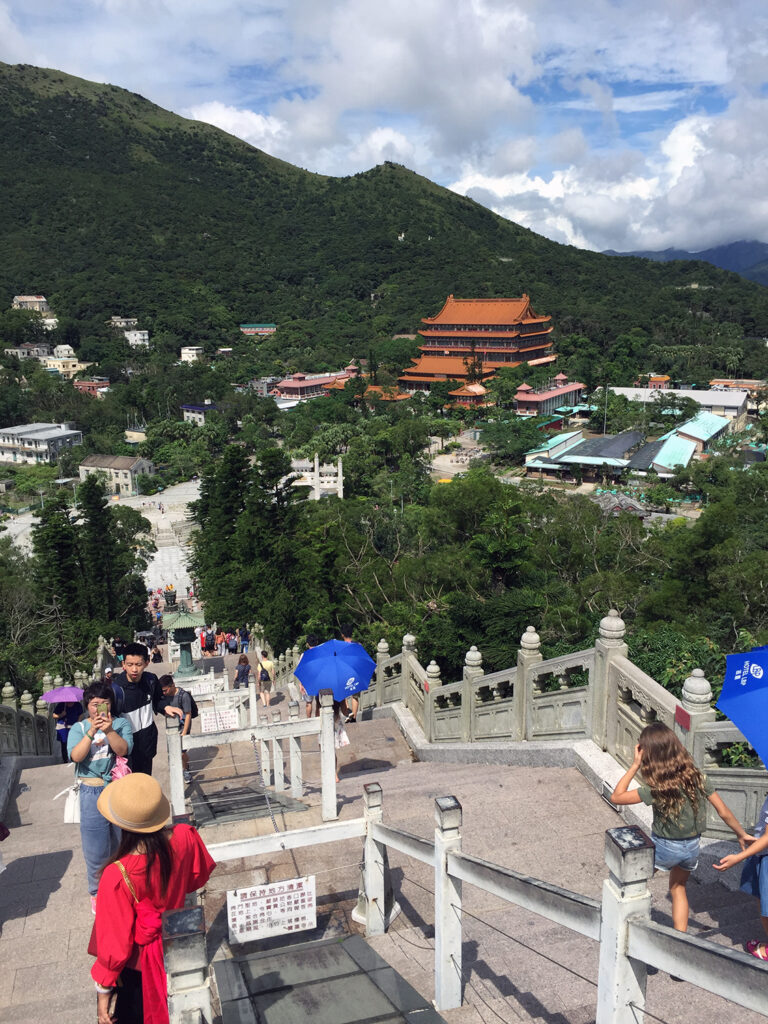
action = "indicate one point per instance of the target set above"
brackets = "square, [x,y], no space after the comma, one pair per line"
[220,720]
[276,909]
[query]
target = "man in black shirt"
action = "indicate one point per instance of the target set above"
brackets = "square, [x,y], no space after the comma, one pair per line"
[143,699]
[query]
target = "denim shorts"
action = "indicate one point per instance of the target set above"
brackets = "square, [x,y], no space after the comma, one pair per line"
[676,853]
[754,880]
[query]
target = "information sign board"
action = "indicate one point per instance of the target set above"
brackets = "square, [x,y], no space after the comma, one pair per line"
[276,909]
[219,720]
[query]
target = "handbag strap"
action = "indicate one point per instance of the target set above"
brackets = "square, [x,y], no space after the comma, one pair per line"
[127,880]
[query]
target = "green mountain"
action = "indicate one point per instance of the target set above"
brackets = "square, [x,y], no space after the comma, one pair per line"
[750,259]
[114,205]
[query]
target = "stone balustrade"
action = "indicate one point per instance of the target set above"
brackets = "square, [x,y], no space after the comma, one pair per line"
[25,729]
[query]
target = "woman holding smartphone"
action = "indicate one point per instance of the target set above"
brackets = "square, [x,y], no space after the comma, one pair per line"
[93,745]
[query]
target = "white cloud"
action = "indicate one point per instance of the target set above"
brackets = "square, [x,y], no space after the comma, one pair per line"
[262,131]
[472,94]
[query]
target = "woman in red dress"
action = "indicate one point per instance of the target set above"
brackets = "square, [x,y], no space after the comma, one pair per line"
[153,870]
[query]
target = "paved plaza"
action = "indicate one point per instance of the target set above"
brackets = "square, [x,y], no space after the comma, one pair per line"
[546,822]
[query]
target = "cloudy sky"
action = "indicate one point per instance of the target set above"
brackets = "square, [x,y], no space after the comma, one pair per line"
[603,123]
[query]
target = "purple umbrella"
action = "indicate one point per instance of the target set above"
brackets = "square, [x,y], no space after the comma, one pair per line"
[62,693]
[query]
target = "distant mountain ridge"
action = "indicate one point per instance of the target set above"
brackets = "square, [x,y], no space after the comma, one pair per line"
[112,205]
[750,259]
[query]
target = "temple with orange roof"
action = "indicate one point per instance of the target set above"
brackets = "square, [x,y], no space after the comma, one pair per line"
[489,333]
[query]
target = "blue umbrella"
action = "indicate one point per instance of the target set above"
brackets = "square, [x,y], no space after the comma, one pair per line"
[342,667]
[744,697]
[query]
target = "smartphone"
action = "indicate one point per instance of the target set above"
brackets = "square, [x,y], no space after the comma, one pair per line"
[103,707]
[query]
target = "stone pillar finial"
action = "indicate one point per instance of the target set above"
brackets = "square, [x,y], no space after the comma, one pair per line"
[530,641]
[42,707]
[697,692]
[612,628]
[473,658]
[27,702]
[8,696]
[433,675]
[409,643]
[47,682]
[58,681]
[382,650]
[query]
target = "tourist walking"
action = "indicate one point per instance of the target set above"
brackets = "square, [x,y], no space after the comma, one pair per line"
[152,871]
[678,793]
[94,745]
[176,697]
[142,700]
[266,677]
[754,875]
[221,642]
[244,639]
[243,672]
[65,715]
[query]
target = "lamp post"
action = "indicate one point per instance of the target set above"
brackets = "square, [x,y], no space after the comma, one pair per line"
[42,501]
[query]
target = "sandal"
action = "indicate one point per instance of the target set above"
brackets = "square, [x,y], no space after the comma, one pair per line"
[758,950]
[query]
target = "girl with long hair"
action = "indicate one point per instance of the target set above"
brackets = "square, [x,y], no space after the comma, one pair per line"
[154,868]
[678,793]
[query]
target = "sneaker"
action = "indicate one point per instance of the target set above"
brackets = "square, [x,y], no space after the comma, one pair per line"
[187,776]
[93,904]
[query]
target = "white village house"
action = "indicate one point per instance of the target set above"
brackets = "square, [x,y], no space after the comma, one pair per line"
[122,472]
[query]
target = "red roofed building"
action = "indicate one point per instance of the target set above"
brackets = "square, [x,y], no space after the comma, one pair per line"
[545,401]
[472,338]
[470,394]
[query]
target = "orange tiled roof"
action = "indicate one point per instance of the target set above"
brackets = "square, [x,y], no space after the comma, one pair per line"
[445,365]
[389,394]
[484,311]
[472,390]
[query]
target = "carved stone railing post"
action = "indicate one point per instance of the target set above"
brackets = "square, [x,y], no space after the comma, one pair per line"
[27,702]
[175,765]
[278,762]
[409,654]
[433,684]
[528,655]
[473,670]
[382,653]
[621,980]
[697,712]
[609,645]
[9,697]
[447,905]
[186,966]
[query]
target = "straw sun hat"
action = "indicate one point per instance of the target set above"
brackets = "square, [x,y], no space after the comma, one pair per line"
[135,803]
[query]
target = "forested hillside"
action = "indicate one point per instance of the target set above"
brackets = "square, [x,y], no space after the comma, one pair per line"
[113,205]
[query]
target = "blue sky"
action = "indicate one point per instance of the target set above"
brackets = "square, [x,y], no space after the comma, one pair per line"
[605,124]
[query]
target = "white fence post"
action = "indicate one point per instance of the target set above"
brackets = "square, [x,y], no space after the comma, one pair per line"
[186,966]
[447,905]
[294,754]
[528,655]
[253,704]
[621,980]
[327,757]
[373,862]
[278,767]
[175,767]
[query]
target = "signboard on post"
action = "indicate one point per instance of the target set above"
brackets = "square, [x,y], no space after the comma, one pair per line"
[220,720]
[276,909]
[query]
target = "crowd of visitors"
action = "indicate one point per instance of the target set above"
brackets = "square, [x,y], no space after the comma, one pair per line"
[137,865]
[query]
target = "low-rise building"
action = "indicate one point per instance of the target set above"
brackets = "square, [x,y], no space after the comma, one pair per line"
[704,429]
[29,350]
[558,395]
[258,330]
[34,443]
[303,386]
[122,323]
[191,353]
[66,368]
[96,388]
[64,352]
[193,413]
[37,303]
[730,404]
[137,339]
[469,395]
[122,472]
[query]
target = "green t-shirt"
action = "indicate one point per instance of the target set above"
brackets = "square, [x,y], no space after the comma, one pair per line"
[101,759]
[685,824]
